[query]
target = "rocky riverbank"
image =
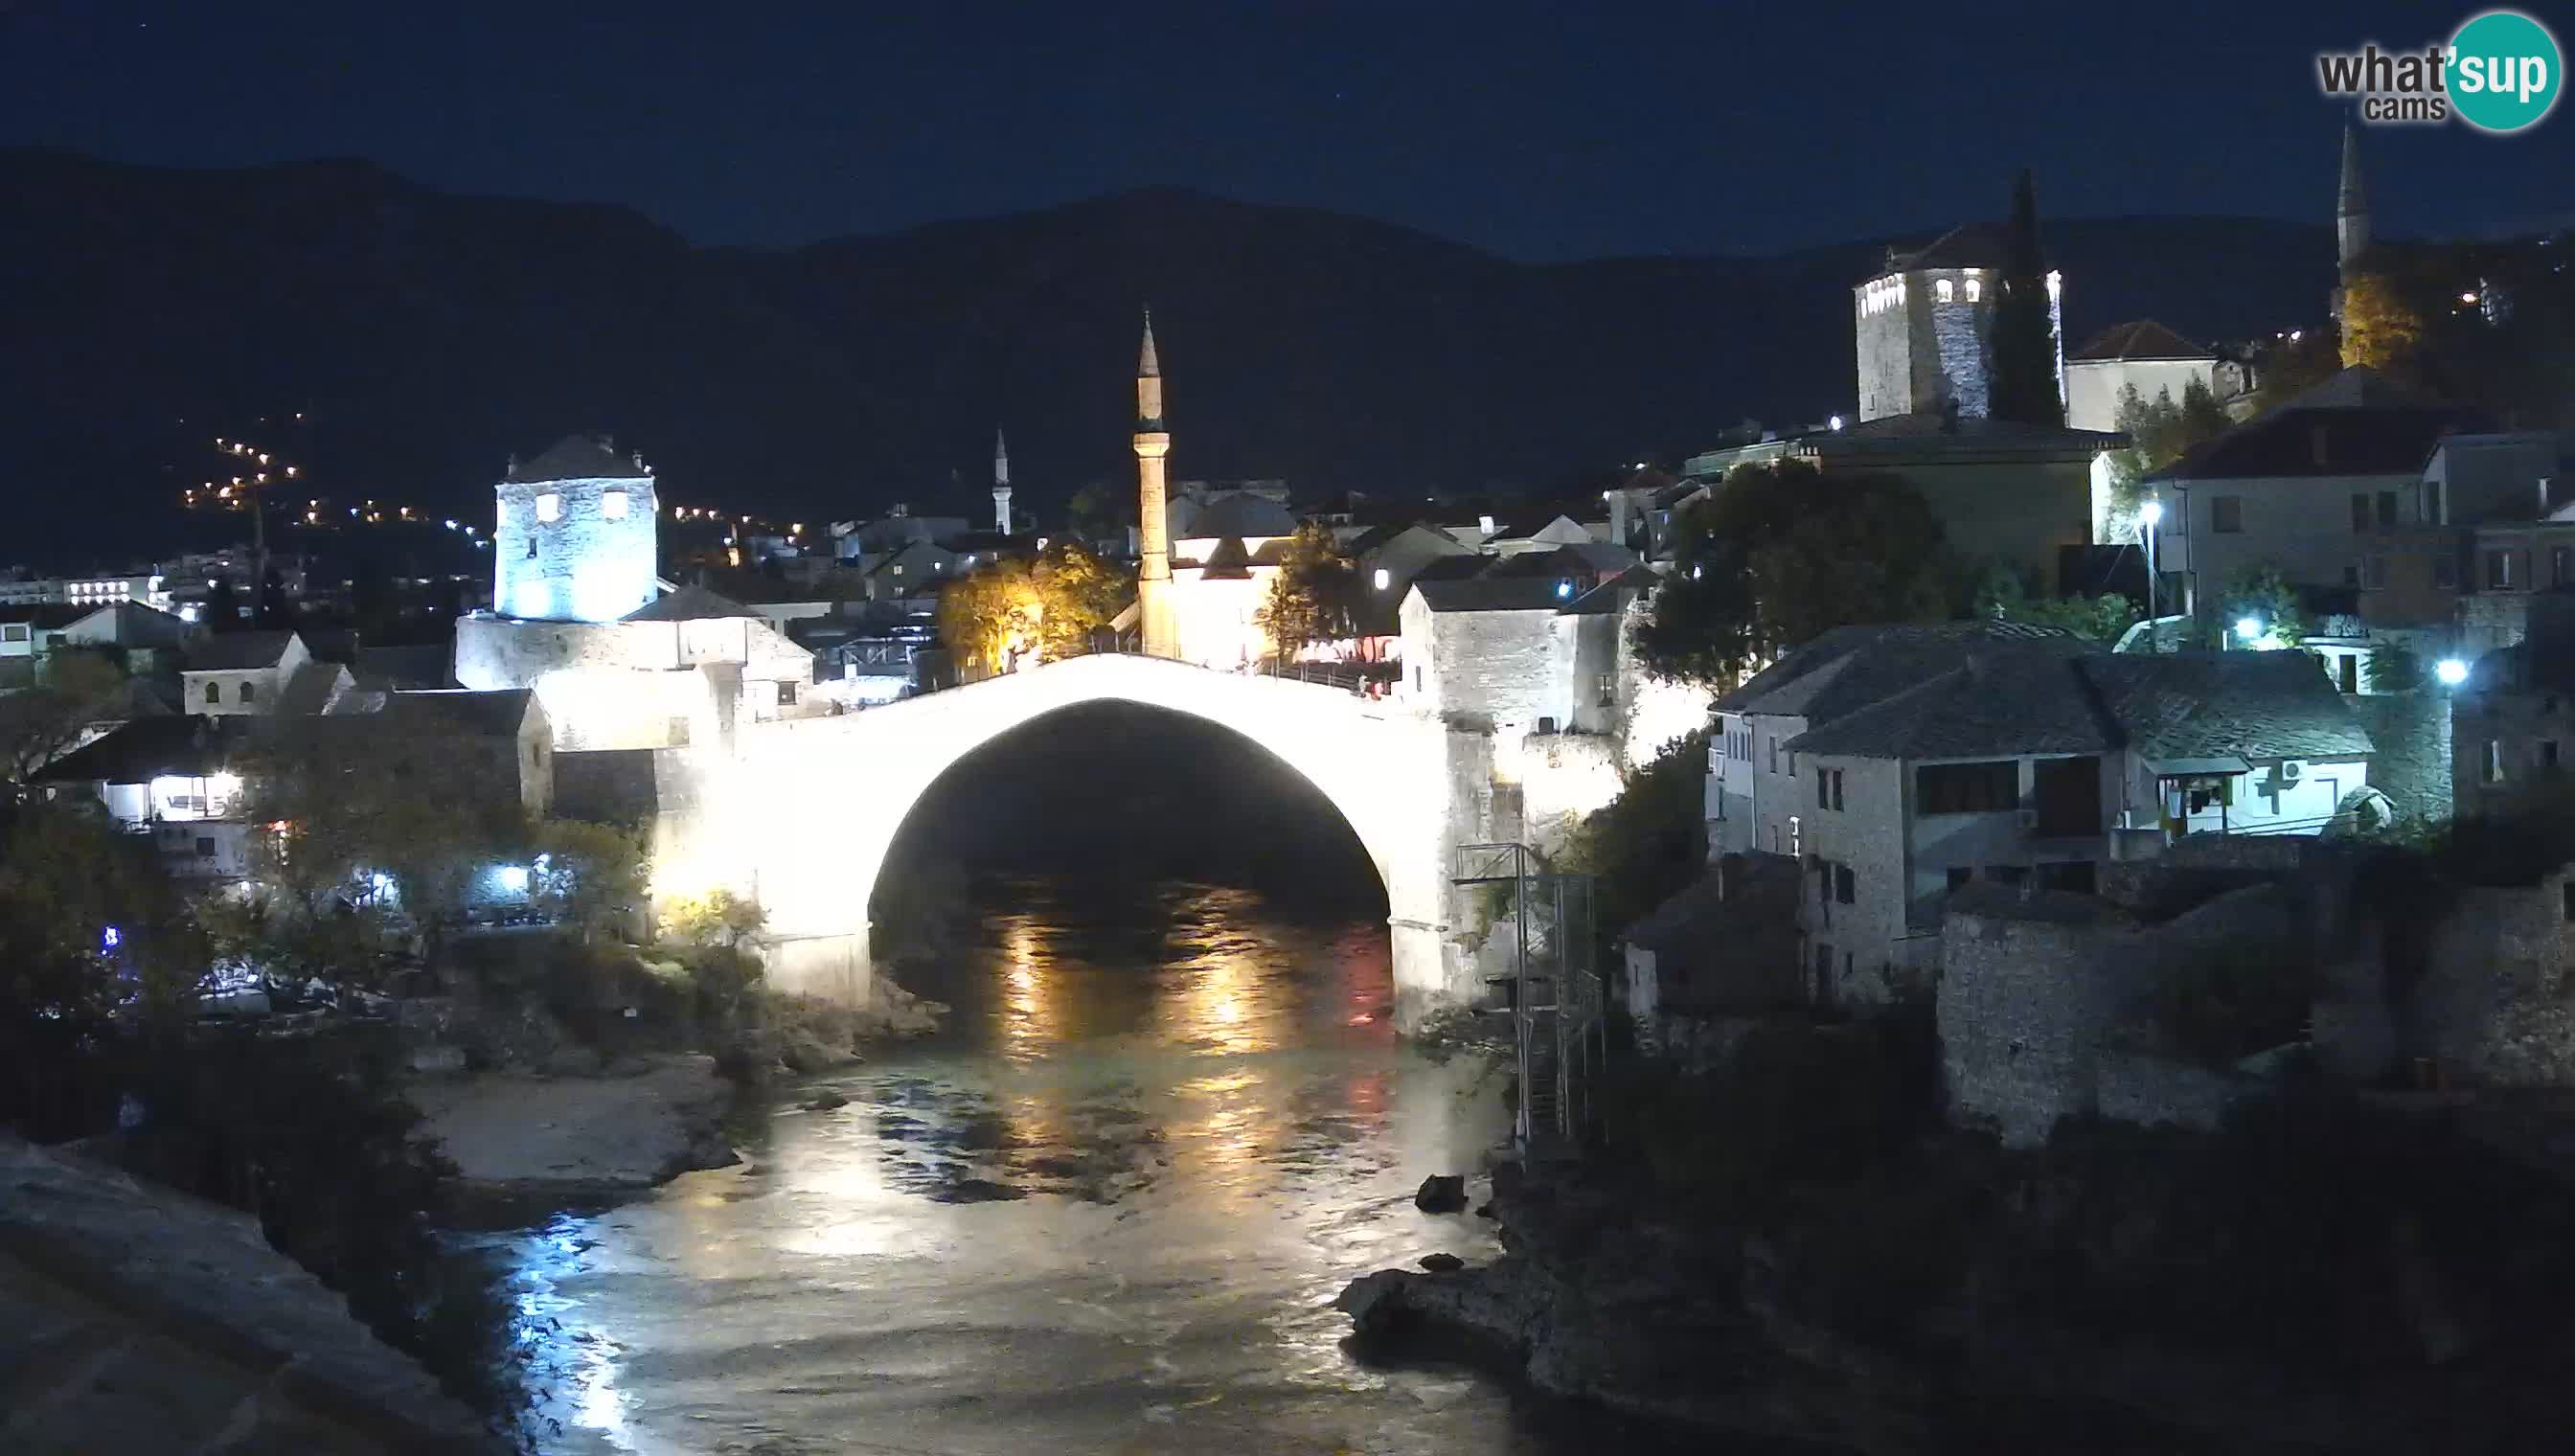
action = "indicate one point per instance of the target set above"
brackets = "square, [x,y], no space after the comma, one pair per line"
[525,1138]
[2384,1288]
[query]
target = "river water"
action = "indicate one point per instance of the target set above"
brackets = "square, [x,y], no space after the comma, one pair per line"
[1106,1211]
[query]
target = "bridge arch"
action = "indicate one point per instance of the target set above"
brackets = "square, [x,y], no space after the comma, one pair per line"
[804,813]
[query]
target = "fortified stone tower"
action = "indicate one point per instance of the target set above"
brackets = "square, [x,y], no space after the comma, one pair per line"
[1925,324]
[1001,484]
[2351,219]
[577,536]
[1154,548]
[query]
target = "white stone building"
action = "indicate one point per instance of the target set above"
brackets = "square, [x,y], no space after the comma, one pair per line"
[575,536]
[1925,325]
[2141,355]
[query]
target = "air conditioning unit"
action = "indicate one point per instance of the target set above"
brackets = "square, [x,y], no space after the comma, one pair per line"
[2290,769]
[2028,821]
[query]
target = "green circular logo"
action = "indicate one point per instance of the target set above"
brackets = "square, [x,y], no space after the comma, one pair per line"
[2505,71]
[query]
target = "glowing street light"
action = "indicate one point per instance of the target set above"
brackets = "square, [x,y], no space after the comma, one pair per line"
[2248,628]
[2451,672]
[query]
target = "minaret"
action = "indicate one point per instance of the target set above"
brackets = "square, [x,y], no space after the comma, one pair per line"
[1154,569]
[1001,484]
[2351,218]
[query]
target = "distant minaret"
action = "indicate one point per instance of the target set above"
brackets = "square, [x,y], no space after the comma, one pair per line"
[1153,570]
[2351,218]
[1001,484]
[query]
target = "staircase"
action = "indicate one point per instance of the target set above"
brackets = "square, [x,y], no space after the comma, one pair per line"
[1552,992]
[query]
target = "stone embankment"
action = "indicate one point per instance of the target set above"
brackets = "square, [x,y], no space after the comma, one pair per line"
[134,1319]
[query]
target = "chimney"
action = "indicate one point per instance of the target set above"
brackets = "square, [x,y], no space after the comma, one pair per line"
[1618,518]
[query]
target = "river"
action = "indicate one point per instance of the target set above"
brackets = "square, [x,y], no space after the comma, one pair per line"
[1106,1211]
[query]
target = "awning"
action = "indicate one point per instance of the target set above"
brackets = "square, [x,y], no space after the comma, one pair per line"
[2217,768]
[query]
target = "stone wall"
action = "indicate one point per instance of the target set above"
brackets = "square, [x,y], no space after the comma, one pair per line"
[581,566]
[2157,1091]
[2023,1004]
[2493,1003]
[2412,763]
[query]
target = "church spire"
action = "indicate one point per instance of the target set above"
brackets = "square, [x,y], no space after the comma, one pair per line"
[1147,364]
[1158,628]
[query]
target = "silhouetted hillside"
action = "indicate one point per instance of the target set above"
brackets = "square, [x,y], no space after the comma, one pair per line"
[428,336]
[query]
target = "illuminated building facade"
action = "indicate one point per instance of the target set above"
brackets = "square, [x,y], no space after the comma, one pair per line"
[576,537]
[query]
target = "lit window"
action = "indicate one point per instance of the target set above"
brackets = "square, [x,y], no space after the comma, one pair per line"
[612,505]
[1944,289]
[550,507]
[1975,288]
[1382,579]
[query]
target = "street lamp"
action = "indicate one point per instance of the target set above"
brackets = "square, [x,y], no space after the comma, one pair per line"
[2248,628]
[2451,672]
[2150,516]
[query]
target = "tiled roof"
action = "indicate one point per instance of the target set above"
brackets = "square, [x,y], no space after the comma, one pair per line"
[424,665]
[688,603]
[2013,701]
[149,747]
[310,688]
[2139,339]
[237,651]
[499,711]
[1971,245]
[2370,439]
[1226,561]
[1240,514]
[2251,705]
[43,615]
[1491,593]
[582,457]
[2185,706]
[1870,662]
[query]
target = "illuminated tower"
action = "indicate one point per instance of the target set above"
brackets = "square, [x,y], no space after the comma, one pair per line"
[2351,218]
[577,534]
[1153,545]
[1001,484]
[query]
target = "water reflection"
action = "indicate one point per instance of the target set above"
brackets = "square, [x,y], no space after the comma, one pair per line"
[1106,1213]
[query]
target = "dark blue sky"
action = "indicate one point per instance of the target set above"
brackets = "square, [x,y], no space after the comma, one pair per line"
[1538,131]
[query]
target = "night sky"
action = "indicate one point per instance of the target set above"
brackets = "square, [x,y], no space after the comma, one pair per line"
[1542,132]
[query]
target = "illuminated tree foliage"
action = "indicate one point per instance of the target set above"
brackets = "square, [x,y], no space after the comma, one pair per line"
[1017,611]
[1778,553]
[2005,597]
[42,723]
[1313,598]
[2380,330]
[2160,430]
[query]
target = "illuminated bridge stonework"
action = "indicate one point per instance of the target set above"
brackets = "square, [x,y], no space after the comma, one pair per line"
[802,812]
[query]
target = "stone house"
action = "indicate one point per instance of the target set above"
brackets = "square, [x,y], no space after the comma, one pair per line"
[2023,763]
[257,672]
[1721,947]
[2141,355]
[2512,723]
[173,778]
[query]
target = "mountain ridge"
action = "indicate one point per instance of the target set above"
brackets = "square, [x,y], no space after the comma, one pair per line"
[430,334]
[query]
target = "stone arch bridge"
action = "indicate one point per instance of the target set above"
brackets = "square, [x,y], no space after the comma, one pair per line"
[802,812]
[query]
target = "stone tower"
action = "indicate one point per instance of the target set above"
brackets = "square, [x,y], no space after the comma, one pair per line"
[2351,218]
[1001,484]
[1923,326]
[578,535]
[1160,630]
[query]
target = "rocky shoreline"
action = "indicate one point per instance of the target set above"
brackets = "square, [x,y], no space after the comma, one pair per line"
[1674,1314]
[521,1139]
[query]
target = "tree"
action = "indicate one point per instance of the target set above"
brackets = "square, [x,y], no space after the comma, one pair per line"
[1078,594]
[989,617]
[2005,597]
[2262,595]
[1313,598]
[1648,841]
[1780,552]
[2024,327]
[1101,510]
[2380,330]
[590,875]
[2293,366]
[2392,668]
[713,918]
[42,723]
[223,606]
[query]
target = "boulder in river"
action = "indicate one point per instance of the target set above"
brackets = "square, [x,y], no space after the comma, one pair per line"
[1441,1193]
[1441,1263]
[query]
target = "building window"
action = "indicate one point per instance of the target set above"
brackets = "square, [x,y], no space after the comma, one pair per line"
[214,692]
[2226,514]
[2491,770]
[204,848]
[1838,789]
[1957,788]
[612,505]
[2432,503]
[1417,679]
[2499,570]
[2548,755]
[786,694]
[2561,566]
[676,732]
[1823,792]
[2445,571]
[14,632]
[1844,883]
[2375,573]
[2387,507]
[532,548]
[1975,290]
[1775,755]
[1609,690]
[249,691]
[550,507]
[1796,837]
[2359,511]
[1944,289]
